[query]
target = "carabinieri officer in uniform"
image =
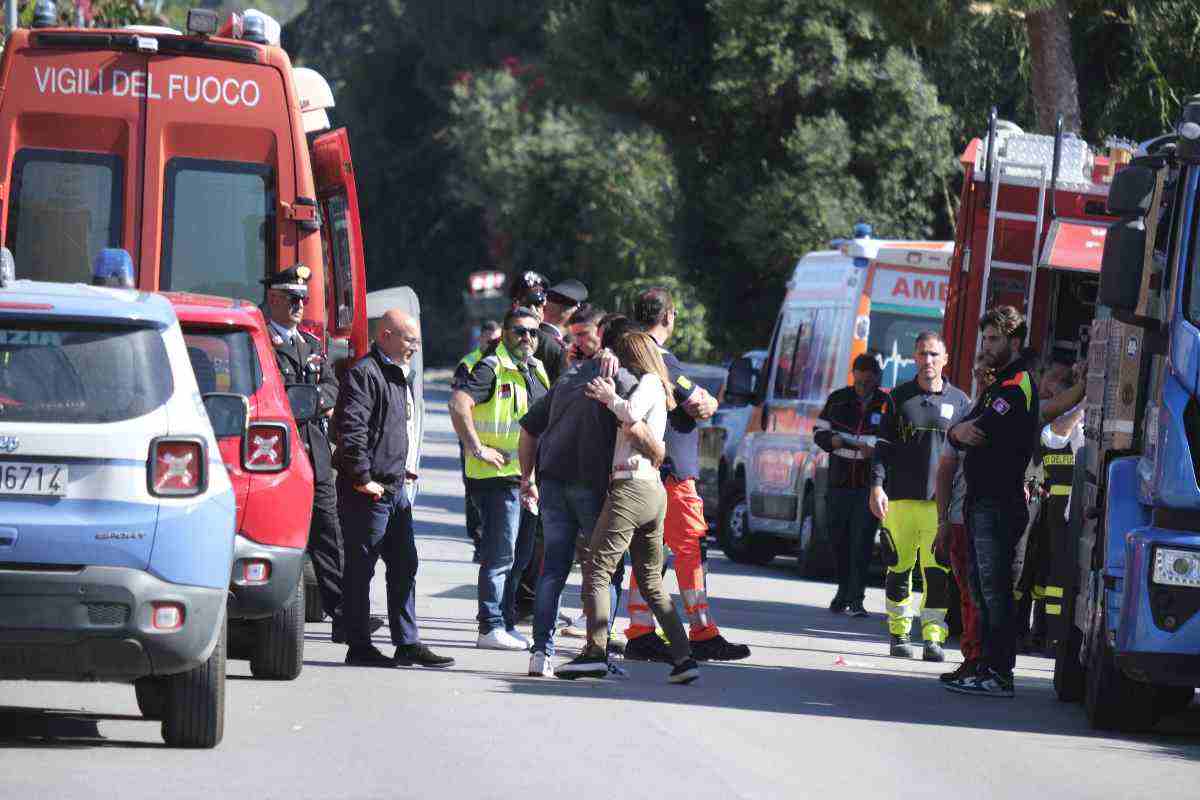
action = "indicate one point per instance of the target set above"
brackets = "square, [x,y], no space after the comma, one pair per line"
[301,360]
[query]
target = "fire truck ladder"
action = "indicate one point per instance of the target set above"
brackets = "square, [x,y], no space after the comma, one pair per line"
[1003,167]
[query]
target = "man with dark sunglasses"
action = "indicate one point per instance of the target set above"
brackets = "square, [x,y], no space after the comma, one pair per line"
[301,360]
[486,408]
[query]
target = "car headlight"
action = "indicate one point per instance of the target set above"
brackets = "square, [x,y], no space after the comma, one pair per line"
[1177,567]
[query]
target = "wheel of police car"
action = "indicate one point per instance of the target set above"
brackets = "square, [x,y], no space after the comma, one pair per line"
[313,610]
[279,641]
[194,712]
[733,531]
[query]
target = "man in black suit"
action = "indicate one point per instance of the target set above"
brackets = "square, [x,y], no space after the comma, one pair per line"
[301,360]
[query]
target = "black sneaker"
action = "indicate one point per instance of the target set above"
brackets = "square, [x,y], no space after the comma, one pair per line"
[718,649]
[962,672]
[647,647]
[933,652]
[837,605]
[685,671]
[616,647]
[418,655]
[368,656]
[588,664]
[986,683]
[856,609]
[900,646]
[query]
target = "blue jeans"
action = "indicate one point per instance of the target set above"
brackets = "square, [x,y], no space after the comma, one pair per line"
[500,513]
[994,526]
[567,509]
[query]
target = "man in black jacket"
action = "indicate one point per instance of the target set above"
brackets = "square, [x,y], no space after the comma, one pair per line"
[846,429]
[377,455]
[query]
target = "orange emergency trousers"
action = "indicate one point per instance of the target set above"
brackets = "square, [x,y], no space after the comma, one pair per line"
[682,531]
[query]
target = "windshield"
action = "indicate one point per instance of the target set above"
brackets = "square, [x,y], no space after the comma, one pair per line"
[894,336]
[66,207]
[80,373]
[224,361]
[218,227]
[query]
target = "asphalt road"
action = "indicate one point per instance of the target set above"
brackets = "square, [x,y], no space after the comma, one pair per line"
[818,711]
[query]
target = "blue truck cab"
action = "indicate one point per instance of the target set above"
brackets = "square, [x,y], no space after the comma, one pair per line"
[116,512]
[1133,650]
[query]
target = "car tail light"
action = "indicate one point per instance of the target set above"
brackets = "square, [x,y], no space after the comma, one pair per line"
[255,572]
[265,448]
[166,616]
[177,467]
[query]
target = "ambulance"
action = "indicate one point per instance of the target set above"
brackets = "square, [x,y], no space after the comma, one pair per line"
[203,153]
[865,294]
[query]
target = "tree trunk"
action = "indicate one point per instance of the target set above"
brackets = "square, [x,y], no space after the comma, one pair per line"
[1055,82]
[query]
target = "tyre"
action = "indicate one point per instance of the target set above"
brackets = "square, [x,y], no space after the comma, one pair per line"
[733,531]
[808,551]
[151,696]
[313,610]
[194,713]
[1069,675]
[279,641]
[1114,701]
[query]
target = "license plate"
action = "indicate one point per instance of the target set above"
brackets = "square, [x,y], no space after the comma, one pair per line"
[33,478]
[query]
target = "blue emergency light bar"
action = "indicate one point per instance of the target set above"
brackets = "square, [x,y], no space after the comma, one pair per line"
[113,267]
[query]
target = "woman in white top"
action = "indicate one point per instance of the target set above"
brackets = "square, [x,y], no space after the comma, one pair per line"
[632,517]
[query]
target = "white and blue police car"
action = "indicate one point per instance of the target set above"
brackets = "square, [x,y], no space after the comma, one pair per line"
[116,512]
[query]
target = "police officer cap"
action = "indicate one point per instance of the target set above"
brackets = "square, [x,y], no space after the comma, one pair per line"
[526,283]
[570,290]
[293,280]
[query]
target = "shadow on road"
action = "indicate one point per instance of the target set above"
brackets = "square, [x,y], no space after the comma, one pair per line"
[47,727]
[903,698]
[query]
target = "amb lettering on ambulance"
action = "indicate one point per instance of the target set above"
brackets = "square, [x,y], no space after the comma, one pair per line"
[191,152]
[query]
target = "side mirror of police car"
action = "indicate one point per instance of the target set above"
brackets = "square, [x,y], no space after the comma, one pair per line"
[305,399]
[227,412]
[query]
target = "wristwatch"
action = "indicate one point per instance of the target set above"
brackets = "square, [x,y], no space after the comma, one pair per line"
[478,452]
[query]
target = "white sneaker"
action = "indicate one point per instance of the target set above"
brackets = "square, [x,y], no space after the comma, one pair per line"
[616,672]
[499,639]
[540,665]
[520,637]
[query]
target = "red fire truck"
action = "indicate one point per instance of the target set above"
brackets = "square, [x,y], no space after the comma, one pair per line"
[205,154]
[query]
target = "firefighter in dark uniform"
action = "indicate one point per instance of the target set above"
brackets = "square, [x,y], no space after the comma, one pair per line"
[1049,559]
[301,360]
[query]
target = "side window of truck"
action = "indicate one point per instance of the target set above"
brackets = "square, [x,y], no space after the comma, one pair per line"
[65,207]
[337,229]
[218,227]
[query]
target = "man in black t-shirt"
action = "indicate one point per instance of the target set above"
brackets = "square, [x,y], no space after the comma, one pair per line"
[999,435]
[912,436]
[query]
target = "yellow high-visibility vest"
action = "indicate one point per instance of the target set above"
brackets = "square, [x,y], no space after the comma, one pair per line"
[497,420]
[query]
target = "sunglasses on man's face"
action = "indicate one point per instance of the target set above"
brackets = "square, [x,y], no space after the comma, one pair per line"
[527,333]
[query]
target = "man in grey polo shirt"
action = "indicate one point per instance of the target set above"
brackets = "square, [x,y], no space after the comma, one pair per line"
[569,438]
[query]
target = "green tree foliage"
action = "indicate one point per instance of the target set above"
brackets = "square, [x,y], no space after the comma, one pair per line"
[576,191]
[788,121]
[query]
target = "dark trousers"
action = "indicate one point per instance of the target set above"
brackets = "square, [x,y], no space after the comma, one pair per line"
[375,530]
[853,528]
[325,547]
[995,526]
